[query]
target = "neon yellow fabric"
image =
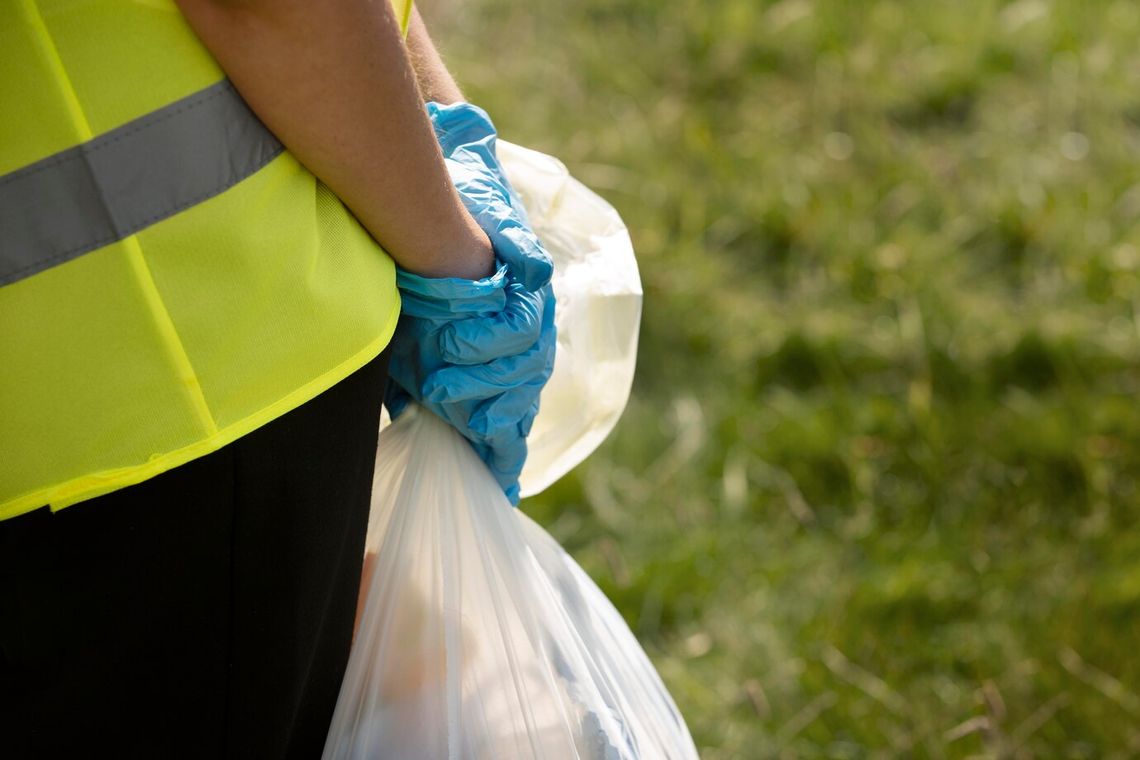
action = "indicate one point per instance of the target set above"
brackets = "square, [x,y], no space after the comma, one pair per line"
[403,14]
[171,343]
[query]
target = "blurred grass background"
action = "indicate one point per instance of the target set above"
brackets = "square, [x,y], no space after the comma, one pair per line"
[876,493]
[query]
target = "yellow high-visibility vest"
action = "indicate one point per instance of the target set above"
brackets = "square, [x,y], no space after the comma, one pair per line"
[170,277]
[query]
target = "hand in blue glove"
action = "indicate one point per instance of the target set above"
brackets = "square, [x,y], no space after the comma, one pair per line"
[477,353]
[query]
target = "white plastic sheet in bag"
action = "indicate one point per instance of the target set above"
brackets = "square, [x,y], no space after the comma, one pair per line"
[480,637]
[598,316]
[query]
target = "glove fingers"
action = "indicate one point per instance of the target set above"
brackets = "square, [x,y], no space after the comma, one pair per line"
[506,417]
[534,364]
[512,331]
[483,381]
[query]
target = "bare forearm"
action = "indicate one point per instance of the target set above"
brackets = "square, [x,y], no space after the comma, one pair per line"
[333,81]
[435,81]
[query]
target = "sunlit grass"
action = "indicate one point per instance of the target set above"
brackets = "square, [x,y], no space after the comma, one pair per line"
[877,492]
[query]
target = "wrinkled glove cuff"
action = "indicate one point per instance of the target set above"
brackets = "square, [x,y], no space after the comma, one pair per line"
[448,298]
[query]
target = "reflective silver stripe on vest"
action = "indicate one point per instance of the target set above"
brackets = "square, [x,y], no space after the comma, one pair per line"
[123,181]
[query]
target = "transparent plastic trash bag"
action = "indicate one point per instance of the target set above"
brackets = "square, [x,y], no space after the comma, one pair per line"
[599,313]
[480,637]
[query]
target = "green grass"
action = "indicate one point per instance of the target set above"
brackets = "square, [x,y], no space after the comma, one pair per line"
[877,491]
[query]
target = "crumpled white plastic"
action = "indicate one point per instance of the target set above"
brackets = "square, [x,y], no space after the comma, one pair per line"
[480,637]
[599,294]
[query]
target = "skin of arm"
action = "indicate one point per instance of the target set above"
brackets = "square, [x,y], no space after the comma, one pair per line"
[434,80]
[332,79]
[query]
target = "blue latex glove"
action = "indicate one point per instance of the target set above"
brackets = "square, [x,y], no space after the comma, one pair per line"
[477,353]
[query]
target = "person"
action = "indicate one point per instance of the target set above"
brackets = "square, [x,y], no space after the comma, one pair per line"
[210,214]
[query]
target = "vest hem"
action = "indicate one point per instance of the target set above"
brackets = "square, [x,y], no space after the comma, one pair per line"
[89,486]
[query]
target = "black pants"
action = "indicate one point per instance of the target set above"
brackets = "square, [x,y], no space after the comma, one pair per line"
[204,613]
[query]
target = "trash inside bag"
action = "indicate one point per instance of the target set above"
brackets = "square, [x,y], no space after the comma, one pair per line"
[599,313]
[480,637]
